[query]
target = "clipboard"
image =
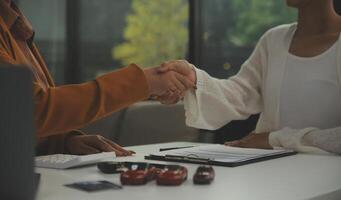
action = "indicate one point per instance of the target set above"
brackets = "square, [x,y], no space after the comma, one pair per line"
[179,155]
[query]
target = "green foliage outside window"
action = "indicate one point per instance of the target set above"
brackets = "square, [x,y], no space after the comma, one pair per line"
[254,17]
[156,31]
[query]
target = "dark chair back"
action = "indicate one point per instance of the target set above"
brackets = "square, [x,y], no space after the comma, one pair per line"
[16,134]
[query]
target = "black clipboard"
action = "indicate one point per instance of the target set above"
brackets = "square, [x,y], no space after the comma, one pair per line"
[194,160]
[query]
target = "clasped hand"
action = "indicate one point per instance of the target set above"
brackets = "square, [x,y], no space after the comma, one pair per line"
[169,82]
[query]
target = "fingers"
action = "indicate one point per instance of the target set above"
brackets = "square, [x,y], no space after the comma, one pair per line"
[168,66]
[236,143]
[169,100]
[180,66]
[176,82]
[185,81]
[90,144]
[118,147]
[98,143]
[179,85]
[183,67]
[165,67]
[102,145]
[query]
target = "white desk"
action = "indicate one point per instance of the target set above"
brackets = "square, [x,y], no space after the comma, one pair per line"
[289,178]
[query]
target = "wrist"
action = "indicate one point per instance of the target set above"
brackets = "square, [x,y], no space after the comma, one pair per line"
[150,74]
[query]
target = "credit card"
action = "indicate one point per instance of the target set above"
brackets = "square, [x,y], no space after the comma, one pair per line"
[93,186]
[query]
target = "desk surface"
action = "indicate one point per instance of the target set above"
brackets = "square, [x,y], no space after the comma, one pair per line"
[295,177]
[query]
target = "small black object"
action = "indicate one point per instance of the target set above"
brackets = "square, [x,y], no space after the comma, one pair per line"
[204,175]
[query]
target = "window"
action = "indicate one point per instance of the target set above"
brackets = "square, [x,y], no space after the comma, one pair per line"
[48,19]
[116,33]
[101,36]
[108,34]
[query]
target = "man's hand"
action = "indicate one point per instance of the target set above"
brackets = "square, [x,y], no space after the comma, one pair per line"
[90,144]
[258,141]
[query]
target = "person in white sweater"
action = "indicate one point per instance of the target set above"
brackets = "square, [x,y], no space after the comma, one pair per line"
[293,78]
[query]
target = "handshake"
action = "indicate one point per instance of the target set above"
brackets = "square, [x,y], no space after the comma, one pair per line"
[169,81]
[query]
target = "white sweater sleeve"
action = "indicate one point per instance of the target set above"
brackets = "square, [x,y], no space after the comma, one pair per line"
[308,140]
[216,102]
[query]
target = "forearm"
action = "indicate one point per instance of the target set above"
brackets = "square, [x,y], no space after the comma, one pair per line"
[216,102]
[328,140]
[69,107]
[308,140]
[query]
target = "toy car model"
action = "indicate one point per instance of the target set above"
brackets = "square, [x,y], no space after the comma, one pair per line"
[172,175]
[139,174]
[203,175]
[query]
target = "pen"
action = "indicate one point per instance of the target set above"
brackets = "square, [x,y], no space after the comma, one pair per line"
[187,159]
[173,148]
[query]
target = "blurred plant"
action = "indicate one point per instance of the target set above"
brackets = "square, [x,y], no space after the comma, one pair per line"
[156,31]
[254,17]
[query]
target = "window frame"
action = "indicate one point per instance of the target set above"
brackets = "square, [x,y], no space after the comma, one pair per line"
[72,68]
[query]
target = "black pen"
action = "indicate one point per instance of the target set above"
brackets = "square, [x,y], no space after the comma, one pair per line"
[173,148]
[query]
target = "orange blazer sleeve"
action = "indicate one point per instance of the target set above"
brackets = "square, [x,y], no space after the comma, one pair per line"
[62,109]
[65,108]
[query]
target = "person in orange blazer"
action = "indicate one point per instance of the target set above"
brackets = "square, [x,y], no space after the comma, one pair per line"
[60,111]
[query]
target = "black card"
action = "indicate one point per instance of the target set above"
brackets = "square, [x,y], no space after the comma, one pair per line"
[92,186]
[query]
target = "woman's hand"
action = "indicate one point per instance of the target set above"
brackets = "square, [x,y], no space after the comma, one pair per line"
[90,144]
[258,141]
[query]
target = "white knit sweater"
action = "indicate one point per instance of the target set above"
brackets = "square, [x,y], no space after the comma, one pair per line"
[256,89]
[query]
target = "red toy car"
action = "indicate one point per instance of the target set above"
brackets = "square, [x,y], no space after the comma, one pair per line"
[139,174]
[172,175]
